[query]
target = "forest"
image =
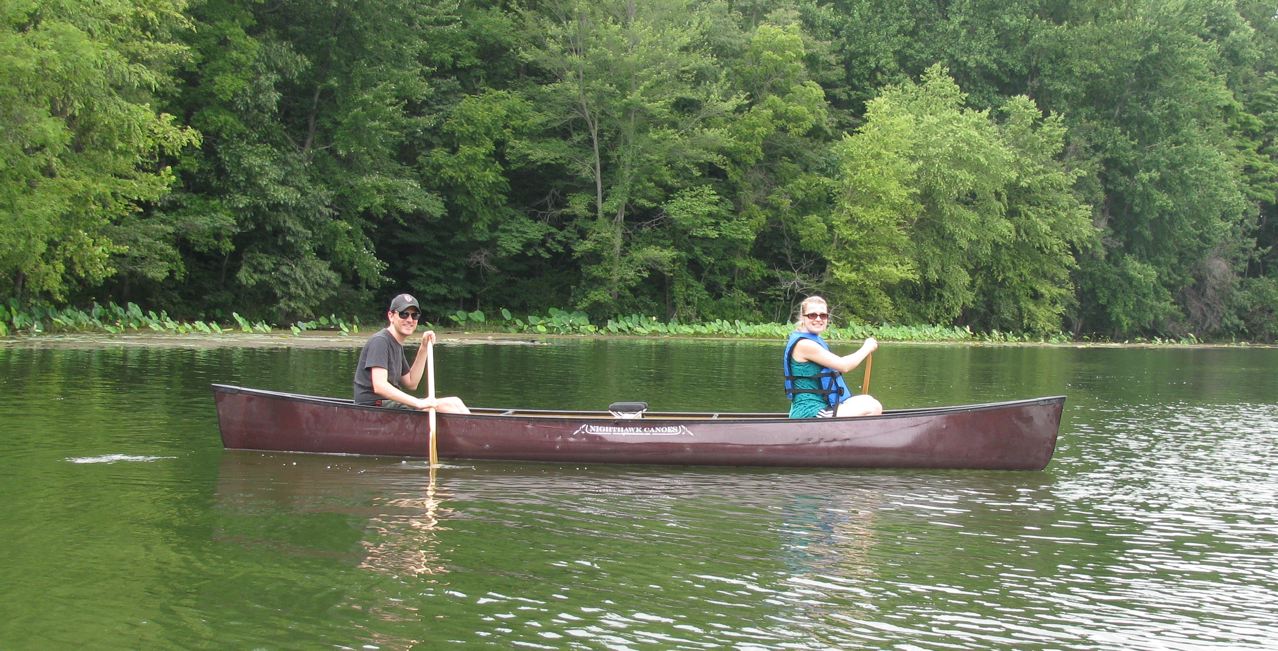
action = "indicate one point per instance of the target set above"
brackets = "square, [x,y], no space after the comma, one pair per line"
[1099,168]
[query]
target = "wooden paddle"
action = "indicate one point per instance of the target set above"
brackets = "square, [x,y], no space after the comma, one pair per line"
[865,383]
[430,393]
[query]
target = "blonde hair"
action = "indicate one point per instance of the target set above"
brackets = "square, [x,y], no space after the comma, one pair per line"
[803,307]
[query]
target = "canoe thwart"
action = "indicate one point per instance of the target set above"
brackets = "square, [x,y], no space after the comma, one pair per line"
[628,409]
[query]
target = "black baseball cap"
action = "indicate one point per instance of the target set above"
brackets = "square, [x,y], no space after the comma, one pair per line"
[403,302]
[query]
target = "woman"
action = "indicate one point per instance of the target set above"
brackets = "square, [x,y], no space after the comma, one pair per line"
[814,375]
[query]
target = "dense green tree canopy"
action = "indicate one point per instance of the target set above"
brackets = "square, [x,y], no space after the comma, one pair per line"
[1103,168]
[948,213]
[82,141]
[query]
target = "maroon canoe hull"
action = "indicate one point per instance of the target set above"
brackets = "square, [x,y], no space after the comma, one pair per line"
[1017,435]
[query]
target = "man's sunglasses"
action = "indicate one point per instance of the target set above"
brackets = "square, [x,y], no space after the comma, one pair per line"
[817,315]
[410,315]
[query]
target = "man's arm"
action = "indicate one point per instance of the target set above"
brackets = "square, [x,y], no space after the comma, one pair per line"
[414,374]
[388,391]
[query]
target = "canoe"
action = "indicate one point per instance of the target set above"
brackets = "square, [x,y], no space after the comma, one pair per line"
[1013,435]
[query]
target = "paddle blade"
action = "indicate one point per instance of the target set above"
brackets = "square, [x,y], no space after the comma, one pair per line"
[434,449]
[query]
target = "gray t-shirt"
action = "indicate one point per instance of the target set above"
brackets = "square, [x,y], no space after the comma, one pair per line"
[380,350]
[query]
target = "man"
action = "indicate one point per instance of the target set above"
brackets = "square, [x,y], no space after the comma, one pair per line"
[383,372]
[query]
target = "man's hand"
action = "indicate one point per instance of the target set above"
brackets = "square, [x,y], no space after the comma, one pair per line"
[428,337]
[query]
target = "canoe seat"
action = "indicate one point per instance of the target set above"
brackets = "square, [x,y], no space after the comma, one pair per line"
[628,409]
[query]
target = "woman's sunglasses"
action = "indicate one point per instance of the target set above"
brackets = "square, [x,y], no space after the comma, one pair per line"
[410,315]
[817,315]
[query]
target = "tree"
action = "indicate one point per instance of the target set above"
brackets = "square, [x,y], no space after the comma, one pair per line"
[1144,96]
[83,144]
[946,215]
[1028,285]
[307,108]
[489,239]
[778,146]
[630,92]
[1254,121]
[959,170]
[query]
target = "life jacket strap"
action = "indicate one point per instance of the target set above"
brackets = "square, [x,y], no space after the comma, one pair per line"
[791,391]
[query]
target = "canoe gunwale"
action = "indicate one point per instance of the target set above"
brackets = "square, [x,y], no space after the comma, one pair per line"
[501,413]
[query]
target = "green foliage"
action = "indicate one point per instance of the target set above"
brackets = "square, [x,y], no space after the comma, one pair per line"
[476,317]
[963,169]
[326,323]
[776,141]
[867,237]
[1258,309]
[945,213]
[630,91]
[709,163]
[1146,93]
[305,106]
[115,319]
[82,142]
[1027,284]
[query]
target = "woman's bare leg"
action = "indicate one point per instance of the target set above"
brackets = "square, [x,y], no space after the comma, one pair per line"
[861,405]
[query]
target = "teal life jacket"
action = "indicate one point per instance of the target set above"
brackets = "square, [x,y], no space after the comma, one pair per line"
[832,386]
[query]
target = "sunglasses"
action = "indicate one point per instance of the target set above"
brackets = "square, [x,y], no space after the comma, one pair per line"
[410,315]
[817,315]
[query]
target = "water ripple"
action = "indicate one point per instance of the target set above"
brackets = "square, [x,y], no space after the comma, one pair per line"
[115,458]
[1155,526]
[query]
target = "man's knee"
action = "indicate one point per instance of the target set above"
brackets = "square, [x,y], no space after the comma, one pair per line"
[453,405]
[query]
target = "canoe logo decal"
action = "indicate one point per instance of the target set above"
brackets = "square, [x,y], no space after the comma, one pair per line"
[633,430]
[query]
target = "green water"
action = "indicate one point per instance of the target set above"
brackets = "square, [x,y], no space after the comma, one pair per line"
[126,526]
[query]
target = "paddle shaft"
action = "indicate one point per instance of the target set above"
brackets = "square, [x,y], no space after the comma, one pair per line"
[430,394]
[865,382]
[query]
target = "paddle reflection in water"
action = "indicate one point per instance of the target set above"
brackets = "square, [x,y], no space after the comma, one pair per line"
[287,503]
[400,504]
[403,540]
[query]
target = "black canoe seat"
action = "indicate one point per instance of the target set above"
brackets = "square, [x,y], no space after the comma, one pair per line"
[628,409]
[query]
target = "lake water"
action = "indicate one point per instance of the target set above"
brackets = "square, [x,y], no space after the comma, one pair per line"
[127,526]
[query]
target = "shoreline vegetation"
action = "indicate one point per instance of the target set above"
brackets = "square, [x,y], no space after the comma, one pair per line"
[1103,170]
[114,319]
